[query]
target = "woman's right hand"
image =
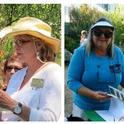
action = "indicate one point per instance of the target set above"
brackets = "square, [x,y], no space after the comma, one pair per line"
[101,96]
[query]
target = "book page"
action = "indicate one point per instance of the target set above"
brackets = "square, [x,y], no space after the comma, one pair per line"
[115,112]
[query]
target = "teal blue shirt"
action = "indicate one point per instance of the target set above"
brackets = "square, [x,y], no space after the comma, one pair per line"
[96,73]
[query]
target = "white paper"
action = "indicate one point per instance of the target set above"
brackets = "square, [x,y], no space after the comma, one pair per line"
[115,112]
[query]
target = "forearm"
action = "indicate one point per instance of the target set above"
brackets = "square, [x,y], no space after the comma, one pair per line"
[74,85]
[25,110]
[25,113]
[86,92]
[97,95]
[79,88]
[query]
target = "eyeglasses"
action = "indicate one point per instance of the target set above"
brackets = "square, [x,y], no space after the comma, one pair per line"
[107,34]
[21,42]
[9,68]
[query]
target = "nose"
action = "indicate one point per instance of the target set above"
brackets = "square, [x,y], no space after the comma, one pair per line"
[12,71]
[102,35]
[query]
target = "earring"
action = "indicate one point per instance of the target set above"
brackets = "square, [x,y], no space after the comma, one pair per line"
[37,56]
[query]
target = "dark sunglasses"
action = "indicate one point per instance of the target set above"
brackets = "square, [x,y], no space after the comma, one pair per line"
[107,34]
[9,68]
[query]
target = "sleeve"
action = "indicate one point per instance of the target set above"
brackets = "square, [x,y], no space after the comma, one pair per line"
[50,105]
[9,116]
[122,58]
[75,70]
[121,61]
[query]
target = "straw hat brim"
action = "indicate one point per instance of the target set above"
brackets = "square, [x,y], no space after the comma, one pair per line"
[50,41]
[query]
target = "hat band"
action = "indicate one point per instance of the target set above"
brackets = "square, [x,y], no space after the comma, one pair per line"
[44,27]
[44,32]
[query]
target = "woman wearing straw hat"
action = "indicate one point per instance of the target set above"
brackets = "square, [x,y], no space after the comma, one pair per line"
[99,63]
[34,92]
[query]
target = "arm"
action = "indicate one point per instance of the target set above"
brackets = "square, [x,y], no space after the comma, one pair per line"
[75,72]
[8,103]
[122,63]
[93,94]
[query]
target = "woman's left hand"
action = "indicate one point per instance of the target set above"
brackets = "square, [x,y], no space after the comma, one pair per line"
[6,101]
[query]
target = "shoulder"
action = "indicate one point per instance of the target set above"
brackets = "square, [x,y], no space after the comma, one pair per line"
[80,49]
[117,50]
[118,53]
[53,74]
[52,67]
[77,57]
[50,72]
[78,53]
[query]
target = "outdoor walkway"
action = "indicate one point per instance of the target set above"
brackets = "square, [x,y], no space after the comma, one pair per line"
[68,102]
[68,98]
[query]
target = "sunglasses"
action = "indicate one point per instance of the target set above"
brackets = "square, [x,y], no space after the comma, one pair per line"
[9,68]
[107,34]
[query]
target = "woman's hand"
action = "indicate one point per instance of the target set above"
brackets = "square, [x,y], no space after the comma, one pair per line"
[6,101]
[97,95]
[101,96]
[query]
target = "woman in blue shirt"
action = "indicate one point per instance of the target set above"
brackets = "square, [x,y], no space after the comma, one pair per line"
[94,67]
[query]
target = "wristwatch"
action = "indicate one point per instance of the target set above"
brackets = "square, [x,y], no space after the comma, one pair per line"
[17,109]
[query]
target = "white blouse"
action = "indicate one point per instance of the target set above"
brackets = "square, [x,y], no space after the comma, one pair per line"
[42,94]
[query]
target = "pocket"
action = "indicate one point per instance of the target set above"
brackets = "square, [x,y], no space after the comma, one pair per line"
[116,68]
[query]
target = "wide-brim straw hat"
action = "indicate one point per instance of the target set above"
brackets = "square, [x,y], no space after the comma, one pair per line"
[5,31]
[34,27]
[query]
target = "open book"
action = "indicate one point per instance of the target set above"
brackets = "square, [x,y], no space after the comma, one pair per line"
[116,93]
[116,110]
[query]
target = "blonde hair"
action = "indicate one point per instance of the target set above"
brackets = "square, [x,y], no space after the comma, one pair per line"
[45,53]
[84,33]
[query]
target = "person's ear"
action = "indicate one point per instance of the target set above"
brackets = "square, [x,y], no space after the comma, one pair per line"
[38,45]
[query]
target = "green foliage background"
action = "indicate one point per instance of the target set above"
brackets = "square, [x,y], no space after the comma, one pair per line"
[49,13]
[82,18]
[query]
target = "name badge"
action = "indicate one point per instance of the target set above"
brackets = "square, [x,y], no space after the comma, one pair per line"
[37,83]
